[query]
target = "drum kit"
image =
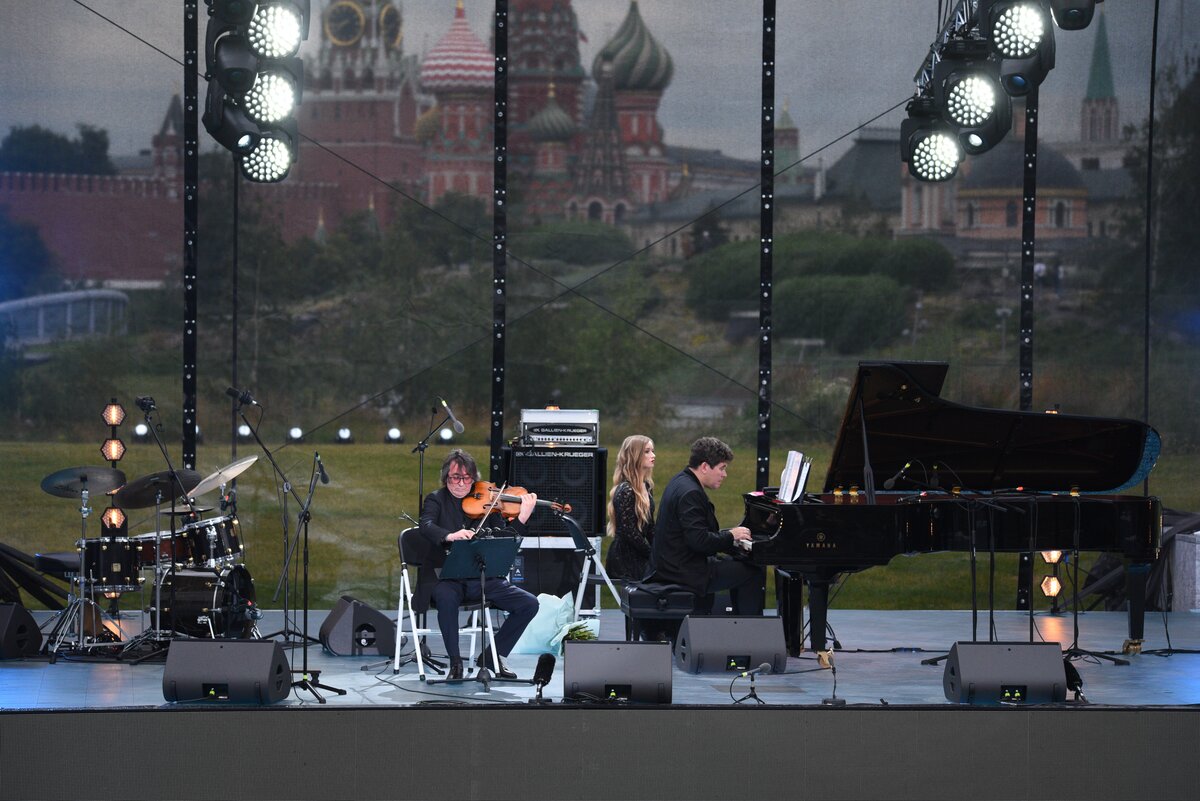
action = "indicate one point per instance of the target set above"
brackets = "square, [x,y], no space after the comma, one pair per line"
[201,587]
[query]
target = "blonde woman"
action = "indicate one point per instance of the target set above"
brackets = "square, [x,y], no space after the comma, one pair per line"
[631,510]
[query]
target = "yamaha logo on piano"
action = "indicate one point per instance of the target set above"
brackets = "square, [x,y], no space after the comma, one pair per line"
[820,543]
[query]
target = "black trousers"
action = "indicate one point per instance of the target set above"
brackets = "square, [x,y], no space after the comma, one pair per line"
[450,594]
[747,584]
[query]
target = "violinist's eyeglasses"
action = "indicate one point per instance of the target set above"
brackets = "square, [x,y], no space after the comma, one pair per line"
[459,478]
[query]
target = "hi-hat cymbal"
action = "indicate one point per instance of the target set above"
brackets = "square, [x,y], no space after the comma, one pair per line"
[223,476]
[69,483]
[156,488]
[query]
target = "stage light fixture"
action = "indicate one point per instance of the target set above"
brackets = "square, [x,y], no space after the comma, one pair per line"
[393,436]
[344,437]
[243,433]
[276,29]
[1072,15]
[255,82]
[113,519]
[1022,41]
[270,159]
[927,144]
[967,90]
[446,435]
[295,434]
[141,433]
[1052,557]
[1051,586]
[113,449]
[114,413]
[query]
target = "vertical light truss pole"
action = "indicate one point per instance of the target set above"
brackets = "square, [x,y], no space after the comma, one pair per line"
[191,180]
[499,234]
[1025,361]
[767,252]
[1028,238]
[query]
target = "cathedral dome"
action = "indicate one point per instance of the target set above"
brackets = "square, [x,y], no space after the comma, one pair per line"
[460,61]
[1002,167]
[639,62]
[427,125]
[552,124]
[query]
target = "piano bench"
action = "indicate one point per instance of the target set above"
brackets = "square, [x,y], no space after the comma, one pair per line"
[656,609]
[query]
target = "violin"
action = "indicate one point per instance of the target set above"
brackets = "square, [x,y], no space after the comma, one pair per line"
[486,497]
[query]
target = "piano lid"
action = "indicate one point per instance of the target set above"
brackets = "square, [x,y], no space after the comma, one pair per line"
[977,448]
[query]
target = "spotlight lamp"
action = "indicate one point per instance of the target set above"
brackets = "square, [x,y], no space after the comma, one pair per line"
[967,90]
[113,449]
[295,434]
[344,436]
[114,413]
[141,433]
[255,82]
[1052,557]
[1073,15]
[113,519]
[1021,39]
[1051,586]
[446,435]
[927,144]
[243,433]
[393,436]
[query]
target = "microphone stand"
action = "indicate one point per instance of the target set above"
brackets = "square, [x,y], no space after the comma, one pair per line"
[309,679]
[288,631]
[420,449]
[169,576]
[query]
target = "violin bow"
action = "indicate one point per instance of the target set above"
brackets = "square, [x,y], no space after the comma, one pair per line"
[491,507]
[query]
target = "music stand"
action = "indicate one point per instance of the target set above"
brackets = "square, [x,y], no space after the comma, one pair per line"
[483,558]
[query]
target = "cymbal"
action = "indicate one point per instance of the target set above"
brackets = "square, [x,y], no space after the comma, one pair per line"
[145,491]
[223,476]
[183,510]
[69,483]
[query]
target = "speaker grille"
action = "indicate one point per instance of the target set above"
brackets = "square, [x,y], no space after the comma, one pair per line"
[572,476]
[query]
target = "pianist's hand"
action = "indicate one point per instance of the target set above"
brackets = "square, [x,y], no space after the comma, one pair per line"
[740,533]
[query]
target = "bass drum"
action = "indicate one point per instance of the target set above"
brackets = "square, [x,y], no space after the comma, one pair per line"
[211,603]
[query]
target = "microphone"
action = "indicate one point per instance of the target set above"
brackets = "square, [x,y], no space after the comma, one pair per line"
[145,403]
[891,482]
[458,427]
[244,398]
[321,469]
[765,667]
[544,670]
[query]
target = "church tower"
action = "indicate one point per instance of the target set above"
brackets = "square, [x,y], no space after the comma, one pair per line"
[360,104]
[1100,121]
[543,47]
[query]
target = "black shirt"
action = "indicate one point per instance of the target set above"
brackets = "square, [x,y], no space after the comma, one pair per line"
[442,515]
[686,534]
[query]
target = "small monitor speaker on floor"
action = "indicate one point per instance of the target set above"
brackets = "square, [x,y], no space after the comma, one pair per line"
[354,628]
[1005,673]
[226,671]
[730,644]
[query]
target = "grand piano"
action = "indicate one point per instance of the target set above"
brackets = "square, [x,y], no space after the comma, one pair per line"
[955,478]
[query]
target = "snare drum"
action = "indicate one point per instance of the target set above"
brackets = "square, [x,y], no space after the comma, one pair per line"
[225,597]
[214,542]
[109,564]
[159,548]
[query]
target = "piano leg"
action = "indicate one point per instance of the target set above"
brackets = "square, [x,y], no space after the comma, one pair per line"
[1135,592]
[818,612]
[789,600]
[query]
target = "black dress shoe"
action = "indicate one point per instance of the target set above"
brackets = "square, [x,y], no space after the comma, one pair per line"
[455,671]
[484,660]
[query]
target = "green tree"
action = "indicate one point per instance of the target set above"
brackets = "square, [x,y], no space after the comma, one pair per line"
[573,242]
[37,149]
[26,266]
[919,263]
[851,313]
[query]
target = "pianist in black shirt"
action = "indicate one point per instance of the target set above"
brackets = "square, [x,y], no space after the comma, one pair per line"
[688,540]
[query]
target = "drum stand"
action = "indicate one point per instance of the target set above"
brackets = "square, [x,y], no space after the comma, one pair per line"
[71,624]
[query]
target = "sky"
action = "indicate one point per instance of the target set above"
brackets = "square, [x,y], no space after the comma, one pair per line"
[839,63]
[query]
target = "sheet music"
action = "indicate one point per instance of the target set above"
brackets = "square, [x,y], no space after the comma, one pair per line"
[794,477]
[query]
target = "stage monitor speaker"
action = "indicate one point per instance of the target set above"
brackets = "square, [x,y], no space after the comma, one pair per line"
[730,644]
[566,475]
[229,671]
[19,634]
[617,671]
[354,628]
[1005,673]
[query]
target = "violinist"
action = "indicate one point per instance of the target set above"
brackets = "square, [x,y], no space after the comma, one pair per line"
[443,521]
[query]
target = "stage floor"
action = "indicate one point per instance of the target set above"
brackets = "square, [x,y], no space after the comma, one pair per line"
[879,665]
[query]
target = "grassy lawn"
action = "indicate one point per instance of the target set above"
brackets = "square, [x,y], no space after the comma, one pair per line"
[357,516]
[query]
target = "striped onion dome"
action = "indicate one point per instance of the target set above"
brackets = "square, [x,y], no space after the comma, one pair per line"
[551,124]
[639,62]
[459,61]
